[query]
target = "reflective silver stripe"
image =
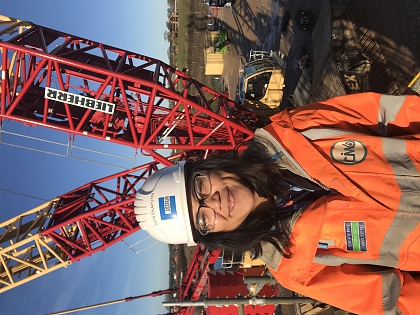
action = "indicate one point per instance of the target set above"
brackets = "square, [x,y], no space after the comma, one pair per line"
[331,260]
[389,106]
[408,180]
[391,289]
[394,238]
[405,171]
[408,213]
[397,233]
[320,133]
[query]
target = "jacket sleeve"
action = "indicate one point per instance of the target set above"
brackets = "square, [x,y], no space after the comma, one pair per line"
[360,289]
[369,113]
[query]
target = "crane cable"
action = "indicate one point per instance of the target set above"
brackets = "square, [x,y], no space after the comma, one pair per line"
[23,195]
[128,299]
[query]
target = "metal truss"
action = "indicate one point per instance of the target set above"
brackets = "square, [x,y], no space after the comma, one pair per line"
[72,226]
[82,87]
[98,214]
[195,280]
[25,254]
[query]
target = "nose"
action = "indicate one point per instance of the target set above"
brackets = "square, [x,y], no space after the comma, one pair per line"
[213,201]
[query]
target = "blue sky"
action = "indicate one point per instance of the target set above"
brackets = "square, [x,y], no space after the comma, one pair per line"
[135,25]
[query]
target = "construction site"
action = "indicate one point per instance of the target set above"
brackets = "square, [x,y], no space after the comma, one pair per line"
[245,61]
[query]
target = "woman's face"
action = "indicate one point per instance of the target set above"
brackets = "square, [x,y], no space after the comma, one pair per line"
[231,200]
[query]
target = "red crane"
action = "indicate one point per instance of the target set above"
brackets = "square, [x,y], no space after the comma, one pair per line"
[89,89]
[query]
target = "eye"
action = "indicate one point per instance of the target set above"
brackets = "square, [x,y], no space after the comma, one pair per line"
[206,219]
[202,220]
[202,186]
[199,187]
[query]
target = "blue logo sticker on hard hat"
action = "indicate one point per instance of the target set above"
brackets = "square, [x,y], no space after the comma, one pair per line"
[348,152]
[167,207]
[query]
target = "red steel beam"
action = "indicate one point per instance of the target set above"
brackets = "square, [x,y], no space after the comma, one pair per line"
[195,279]
[98,214]
[152,103]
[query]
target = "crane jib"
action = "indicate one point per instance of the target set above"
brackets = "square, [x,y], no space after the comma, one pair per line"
[79,100]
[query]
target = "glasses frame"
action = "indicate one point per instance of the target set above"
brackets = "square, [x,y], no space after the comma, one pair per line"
[202,204]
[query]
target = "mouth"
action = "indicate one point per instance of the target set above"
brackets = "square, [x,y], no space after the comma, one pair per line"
[231,200]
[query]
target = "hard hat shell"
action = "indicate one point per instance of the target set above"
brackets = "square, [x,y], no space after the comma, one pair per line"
[161,206]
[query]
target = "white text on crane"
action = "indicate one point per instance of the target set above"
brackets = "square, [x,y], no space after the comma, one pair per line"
[79,100]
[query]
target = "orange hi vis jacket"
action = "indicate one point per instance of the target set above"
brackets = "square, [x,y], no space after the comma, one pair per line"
[358,250]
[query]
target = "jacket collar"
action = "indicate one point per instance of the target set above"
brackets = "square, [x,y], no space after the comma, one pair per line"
[312,164]
[305,243]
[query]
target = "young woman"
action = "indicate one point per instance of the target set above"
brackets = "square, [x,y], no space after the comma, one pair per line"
[328,195]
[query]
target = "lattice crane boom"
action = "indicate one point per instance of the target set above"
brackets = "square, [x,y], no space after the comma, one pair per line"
[83,87]
[70,227]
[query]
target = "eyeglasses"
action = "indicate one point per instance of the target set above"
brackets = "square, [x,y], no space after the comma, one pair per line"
[206,217]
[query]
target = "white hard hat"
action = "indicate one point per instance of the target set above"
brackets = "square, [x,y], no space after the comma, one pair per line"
[161,206]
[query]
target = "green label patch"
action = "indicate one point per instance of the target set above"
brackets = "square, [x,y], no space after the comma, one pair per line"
[355,232]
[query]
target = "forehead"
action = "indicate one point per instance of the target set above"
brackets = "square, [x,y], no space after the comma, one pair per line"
[191,200]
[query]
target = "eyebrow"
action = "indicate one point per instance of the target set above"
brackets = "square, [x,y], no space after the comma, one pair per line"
[193,193]
[190,206]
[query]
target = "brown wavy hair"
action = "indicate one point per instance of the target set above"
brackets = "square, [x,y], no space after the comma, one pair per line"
[266,222]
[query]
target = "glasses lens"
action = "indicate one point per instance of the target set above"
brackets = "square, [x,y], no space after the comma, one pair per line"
[205,219]
[202,186]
